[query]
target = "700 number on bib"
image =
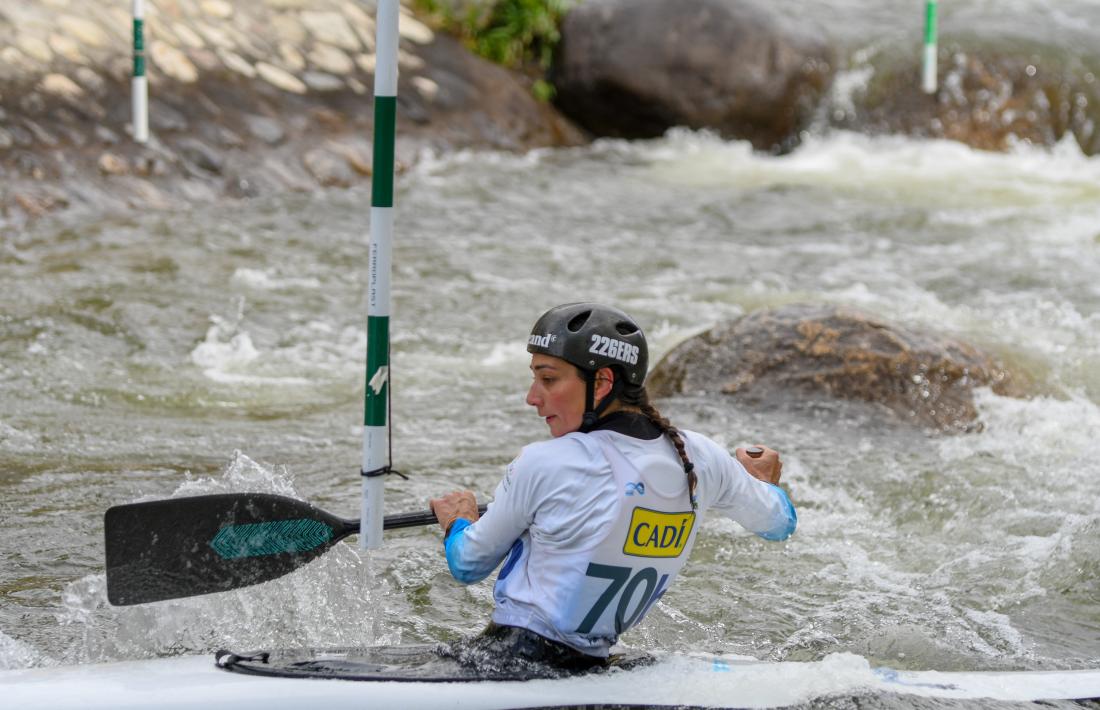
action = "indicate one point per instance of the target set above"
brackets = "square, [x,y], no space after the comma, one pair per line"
[624,586]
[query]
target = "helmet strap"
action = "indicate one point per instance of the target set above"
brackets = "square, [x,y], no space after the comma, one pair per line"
[591,411]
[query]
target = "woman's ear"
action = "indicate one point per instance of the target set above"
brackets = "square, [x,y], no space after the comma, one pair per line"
[605,379]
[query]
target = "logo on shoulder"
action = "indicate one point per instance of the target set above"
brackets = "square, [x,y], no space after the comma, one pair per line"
[653,533]
[635,489]
[541,341]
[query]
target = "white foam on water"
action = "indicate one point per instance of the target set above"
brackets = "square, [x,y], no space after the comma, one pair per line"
[15,654]
[217,356]
[902,296]
[996,633]
[322,351]
[511,354]
[1053,437]
[266,280]
[846,84]
[908,170]
[1041,457]
[16,440]
[314,353]
[1044,323]
[1073,229]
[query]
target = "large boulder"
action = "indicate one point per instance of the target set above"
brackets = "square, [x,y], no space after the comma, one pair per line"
[634,68]
[811,351]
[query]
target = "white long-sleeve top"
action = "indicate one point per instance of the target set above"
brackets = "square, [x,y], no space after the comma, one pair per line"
[590,533]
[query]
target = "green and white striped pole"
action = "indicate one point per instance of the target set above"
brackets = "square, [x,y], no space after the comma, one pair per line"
[928,66]
[139,90]
[375,408]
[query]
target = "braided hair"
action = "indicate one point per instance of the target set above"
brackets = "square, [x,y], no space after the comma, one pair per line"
[636,396]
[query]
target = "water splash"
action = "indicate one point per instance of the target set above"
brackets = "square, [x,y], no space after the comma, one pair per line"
[16,654]
[334,601]
[314,353]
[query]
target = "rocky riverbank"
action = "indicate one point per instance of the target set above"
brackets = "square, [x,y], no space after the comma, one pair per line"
[274,95]
[634,68]
[245,99]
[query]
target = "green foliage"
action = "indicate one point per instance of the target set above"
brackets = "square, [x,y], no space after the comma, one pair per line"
[520,34]
[543,90]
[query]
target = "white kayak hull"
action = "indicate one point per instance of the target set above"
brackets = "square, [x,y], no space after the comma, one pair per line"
[709,681]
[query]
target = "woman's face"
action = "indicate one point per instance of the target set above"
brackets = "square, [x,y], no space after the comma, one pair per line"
[557,393]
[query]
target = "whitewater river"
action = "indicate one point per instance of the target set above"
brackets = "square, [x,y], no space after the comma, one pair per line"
[221,348]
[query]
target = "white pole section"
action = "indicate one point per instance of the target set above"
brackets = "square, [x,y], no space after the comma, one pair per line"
[375,407]
[928,66]
[139,90]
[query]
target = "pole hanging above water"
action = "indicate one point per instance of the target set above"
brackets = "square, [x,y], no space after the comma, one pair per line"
[377,394]
[139,90]
[928,65]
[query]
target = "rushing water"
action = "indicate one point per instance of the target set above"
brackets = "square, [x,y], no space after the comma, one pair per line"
[221,348]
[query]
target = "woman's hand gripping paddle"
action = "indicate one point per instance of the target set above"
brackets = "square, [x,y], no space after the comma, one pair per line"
[183,547]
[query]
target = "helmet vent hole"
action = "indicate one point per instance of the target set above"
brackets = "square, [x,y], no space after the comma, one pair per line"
[626,328]
[578,321]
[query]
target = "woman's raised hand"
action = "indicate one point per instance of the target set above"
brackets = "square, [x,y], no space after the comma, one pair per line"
[761,462]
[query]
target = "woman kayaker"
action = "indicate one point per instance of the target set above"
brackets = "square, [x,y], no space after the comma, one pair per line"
[593,525]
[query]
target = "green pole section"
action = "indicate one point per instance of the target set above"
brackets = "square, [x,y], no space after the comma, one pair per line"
[385,124]
[139,89]
[378,363]
[139,47]
[928,65]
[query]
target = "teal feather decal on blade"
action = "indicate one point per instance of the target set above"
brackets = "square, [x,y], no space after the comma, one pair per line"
[259,539]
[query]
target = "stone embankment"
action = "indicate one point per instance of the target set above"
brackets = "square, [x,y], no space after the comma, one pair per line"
[245,98]
[249,98]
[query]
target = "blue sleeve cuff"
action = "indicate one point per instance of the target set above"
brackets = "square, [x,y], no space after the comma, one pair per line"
[784,528]
[456,529]
[453,546]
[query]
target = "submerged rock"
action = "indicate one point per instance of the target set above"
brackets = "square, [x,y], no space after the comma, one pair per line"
[635,68]
[812,351]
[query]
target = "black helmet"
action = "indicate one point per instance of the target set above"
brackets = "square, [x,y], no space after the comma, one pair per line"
[591,336]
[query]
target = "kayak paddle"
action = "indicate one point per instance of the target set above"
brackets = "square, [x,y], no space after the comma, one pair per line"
[183,547]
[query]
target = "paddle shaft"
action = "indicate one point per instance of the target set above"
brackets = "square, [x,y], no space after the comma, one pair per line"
[409,520]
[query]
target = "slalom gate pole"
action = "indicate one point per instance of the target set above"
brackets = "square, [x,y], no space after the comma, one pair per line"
[377,393]
[928,65]
[139,90]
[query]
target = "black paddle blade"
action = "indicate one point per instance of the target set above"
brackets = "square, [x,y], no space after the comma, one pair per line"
[183,547]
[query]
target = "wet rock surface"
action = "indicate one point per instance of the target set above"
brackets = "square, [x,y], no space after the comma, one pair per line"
[244,98]
[809,352]
[991,95]
[634,68]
